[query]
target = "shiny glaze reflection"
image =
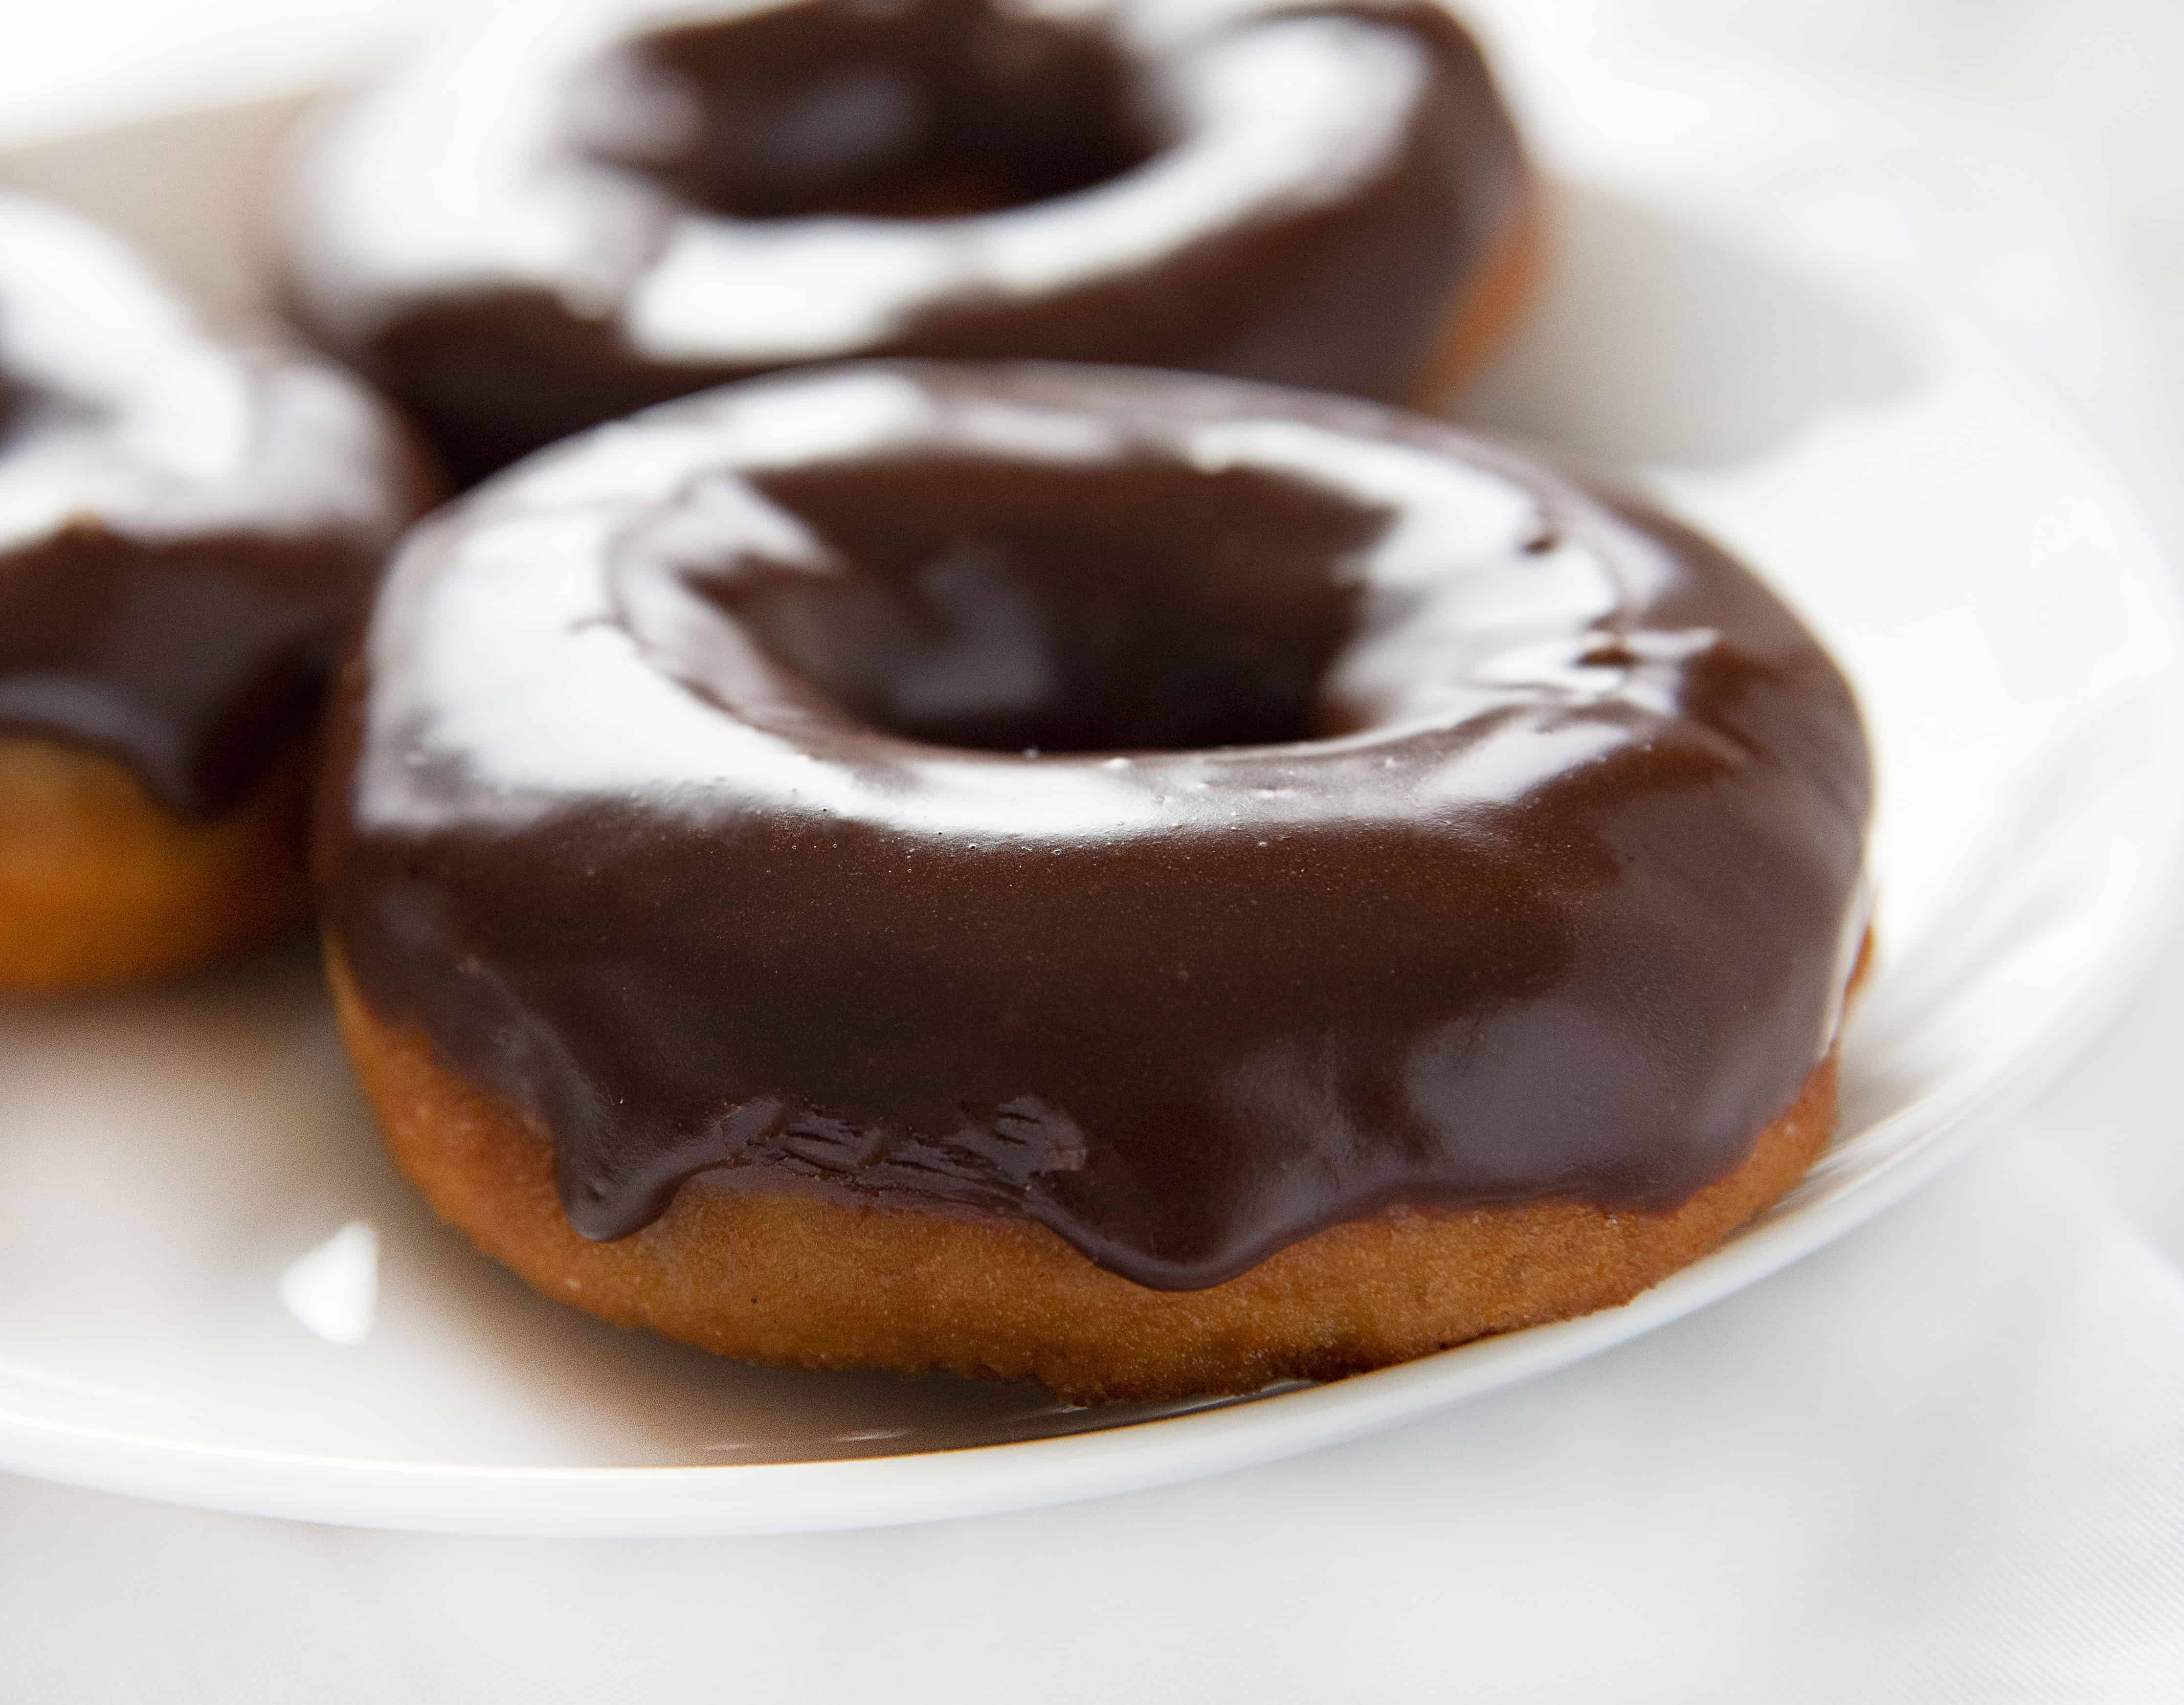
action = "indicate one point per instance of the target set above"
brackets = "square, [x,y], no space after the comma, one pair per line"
[1543,884]
[565,215]
[185,519]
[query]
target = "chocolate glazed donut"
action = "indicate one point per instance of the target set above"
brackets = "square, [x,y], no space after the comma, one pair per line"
[1152,882]
[584,208]
[185,521]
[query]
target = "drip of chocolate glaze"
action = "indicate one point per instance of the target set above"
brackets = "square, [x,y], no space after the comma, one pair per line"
[1185,815]
[186,520]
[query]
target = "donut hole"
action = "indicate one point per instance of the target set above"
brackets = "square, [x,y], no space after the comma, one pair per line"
[887,109]
[1057,611]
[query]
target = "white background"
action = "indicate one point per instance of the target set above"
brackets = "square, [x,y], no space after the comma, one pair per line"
[1943,1460]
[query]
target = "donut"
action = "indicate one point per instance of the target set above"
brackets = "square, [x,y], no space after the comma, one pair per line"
[570,212]
[187,517]
[1151,883]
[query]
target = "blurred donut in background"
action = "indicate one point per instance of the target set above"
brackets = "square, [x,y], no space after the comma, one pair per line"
[569,212]
[188,516]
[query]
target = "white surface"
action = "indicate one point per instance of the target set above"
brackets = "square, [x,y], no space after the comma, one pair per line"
[73,67]
[1812,1494]
[1939,1461]
[1920,508]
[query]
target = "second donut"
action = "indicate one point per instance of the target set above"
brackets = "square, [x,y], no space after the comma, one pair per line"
[577,211]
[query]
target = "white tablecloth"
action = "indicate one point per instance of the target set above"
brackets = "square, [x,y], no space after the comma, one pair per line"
[1942,1460]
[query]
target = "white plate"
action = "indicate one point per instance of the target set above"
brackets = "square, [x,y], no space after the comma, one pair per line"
[169,1160]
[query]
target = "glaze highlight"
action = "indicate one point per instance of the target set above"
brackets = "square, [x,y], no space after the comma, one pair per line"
[186,515]
[1185,814]
[594,205]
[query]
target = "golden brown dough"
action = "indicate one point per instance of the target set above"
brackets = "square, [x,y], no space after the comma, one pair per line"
[803,1280]
[100,885]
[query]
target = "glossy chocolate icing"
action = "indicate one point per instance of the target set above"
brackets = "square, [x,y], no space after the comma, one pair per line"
[827,783]
[186,519]
[1281,191]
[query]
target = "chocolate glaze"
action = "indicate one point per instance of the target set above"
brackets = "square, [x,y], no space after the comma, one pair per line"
[1281,191]
[185,520]
[848,801]
[943,106]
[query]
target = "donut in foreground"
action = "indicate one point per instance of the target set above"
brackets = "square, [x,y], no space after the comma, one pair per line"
[1153,883]
[186,517]
[575,209]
